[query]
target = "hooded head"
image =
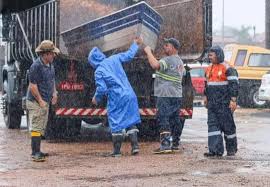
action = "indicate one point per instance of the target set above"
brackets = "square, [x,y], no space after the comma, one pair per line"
[95,57]
[219,53]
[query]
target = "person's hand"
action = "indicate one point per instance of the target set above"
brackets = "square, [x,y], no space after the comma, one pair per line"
[138,40]
[233,105]
[205,102]
[42,103]
[54,99]
[147,50]
[94,101]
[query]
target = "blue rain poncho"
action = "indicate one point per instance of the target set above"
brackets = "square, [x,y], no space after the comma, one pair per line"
[111,81]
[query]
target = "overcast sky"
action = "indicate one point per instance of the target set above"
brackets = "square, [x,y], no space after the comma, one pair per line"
[240,12]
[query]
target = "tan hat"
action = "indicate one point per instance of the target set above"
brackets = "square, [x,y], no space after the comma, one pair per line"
[47,46]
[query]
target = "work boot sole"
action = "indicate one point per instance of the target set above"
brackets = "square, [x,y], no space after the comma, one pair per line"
[38,159]
[231,154]
[212,155]
[176,150]
[163,152]
[111,155]
[135,152]
[42,154]
[45,154]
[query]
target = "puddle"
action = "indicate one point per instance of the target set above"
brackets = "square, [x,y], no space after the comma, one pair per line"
[199,173]
[255,168]
[3,183]
[3,168]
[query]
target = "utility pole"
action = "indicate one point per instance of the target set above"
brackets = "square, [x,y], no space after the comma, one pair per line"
[267,24]
[222,29]
[254,34]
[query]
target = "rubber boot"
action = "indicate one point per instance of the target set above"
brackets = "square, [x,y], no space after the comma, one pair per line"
[37,156]
[117,140]
[175,144]
[133,137]
[165,144]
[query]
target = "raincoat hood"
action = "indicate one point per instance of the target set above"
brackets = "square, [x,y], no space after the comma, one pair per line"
[95,57]
[219,52]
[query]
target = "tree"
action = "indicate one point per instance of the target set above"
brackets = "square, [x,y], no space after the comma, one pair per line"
[243,34]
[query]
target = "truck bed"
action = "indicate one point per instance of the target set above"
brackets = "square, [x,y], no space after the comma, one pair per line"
[187,20]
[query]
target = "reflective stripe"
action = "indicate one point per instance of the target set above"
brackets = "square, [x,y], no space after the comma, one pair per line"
[215,133]
[217,83]
[117,134]
[35,134]
[230,136]
[168,78]
[132,131]
[163,64]
[165,132]
[232,78]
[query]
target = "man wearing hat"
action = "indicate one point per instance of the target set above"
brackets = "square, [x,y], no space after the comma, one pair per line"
[41,92]
[168,90]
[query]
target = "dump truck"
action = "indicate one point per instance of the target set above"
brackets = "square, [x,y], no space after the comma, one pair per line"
[190,21]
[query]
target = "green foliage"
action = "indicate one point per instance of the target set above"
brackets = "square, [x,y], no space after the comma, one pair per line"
[243,34]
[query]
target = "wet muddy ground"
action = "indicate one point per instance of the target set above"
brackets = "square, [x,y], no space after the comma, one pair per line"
[81,162]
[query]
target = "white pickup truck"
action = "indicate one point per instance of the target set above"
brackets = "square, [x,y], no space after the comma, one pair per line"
[264,90]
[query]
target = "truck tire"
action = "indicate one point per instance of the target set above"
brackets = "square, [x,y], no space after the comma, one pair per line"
[253,99]
[12,114]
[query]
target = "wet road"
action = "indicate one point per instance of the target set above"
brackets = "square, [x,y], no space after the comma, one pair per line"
[81,162]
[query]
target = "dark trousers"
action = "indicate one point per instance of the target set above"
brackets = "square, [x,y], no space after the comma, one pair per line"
[220,120]
[168,118]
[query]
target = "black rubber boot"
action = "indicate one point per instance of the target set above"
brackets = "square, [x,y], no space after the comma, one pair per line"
[231,153]
[211,155]
[165,144]
[175,144]
[117,140]
[37,156]
[134,143]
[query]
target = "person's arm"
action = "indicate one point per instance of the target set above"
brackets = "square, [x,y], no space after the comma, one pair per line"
[101,88]
[151,58]
[232,77]
[205,100]
[34,90]
[55,97]
[131,52]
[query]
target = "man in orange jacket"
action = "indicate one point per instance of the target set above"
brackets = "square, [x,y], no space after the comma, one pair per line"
[221,93]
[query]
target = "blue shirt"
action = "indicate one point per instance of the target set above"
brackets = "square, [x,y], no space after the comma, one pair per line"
[44,77]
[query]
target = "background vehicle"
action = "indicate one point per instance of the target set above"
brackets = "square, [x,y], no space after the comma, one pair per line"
[251,63]
[264,90]
[197,74]
[74,77]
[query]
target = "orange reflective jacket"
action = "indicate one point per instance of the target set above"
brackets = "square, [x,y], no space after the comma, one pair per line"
[216,73]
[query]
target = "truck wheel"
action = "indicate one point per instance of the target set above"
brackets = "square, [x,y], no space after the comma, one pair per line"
[254,99]
[12,116]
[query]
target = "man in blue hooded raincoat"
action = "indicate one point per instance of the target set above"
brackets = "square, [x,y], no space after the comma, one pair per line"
[122,105]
